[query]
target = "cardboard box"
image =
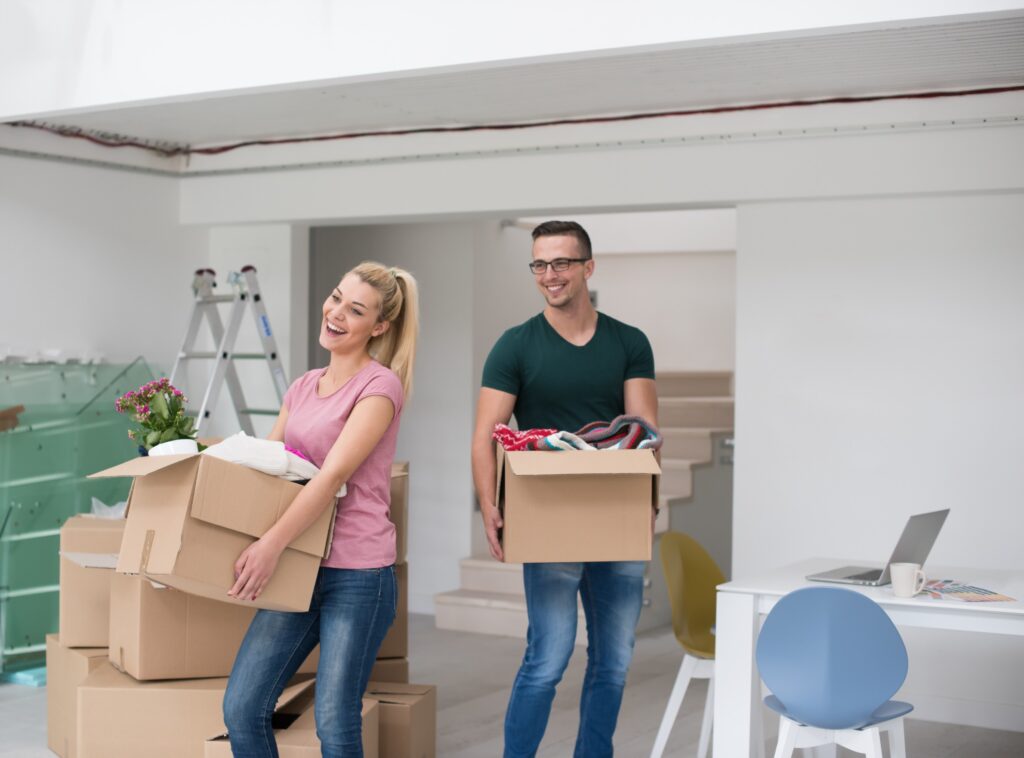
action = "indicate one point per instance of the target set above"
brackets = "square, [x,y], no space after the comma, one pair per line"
[577,505]
[66,668]
[190,516]
[390,670]
[158,632]
[408,719]
[119,717]
[295,733]
[396,643]
[88,553]
[400,507]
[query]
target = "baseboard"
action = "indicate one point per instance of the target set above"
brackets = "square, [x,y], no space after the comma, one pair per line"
[949,710]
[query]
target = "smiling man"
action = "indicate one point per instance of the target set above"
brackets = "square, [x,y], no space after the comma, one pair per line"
[565,367]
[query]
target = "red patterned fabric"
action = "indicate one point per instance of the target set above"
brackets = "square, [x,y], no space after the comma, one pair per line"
[527,439]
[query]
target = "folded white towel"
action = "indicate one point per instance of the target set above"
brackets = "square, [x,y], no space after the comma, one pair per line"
[268,456]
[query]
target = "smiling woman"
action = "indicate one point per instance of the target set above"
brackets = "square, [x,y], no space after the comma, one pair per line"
[344,418]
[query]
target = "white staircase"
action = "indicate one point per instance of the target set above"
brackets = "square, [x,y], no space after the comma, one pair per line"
[695,417]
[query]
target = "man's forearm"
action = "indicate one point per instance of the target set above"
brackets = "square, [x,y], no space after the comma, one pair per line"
[484,472]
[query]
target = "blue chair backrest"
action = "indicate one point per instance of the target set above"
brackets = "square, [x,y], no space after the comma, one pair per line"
[831,656]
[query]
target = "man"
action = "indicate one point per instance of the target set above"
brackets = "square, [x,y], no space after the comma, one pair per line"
[565,367]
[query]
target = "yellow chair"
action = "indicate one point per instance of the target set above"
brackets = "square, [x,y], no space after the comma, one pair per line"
[691,575]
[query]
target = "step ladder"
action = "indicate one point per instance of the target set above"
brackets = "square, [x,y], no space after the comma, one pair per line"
[246,291]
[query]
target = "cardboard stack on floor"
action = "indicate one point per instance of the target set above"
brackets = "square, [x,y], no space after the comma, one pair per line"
[141,661]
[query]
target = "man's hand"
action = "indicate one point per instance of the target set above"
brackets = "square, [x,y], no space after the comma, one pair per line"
[492,523]
[254,568]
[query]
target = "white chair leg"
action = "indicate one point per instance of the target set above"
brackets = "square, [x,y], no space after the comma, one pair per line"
[787,738]
[686,669]
[705,723]
[897,740]
[874,746]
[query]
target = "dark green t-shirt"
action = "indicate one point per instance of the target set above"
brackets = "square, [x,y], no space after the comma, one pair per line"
[560,385]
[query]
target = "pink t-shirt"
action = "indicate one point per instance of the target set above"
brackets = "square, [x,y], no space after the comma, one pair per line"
[363,535]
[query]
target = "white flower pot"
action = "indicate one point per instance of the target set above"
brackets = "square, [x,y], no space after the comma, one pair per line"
[175,447]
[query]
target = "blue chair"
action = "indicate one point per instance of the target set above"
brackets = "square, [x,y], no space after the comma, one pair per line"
[832,659]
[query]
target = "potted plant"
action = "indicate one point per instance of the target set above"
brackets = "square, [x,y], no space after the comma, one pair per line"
[159,409]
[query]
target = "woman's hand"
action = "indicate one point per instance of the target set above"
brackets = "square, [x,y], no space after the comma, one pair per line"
[254,568]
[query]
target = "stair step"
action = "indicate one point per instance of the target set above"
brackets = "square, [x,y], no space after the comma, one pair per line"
[694,383]
[489,575]
[488,613]
[714,412]
[676,478]
[692,443]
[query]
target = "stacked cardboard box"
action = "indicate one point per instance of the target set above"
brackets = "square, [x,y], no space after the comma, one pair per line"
[88,550]
[140,665]
[295,731]
[393,656]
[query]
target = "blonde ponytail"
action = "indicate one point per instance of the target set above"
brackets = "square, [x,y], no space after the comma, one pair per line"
[399,306]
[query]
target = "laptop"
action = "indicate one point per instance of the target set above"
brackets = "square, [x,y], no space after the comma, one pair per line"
[915,543]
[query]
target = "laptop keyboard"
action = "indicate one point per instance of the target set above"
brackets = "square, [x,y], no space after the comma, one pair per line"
[866,575]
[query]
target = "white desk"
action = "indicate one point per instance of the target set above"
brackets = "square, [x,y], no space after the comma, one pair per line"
[742,602]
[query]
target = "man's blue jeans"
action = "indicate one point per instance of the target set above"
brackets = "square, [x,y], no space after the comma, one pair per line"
[349,615]
[612,594]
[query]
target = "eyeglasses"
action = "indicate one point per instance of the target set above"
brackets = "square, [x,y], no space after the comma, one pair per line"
[558,264]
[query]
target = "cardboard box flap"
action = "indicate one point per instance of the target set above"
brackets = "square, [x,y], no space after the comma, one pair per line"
[92,560]
[88,534]
[293,691]
[396,693]
[226,495]
[141,466]
[582,462]
[290,693]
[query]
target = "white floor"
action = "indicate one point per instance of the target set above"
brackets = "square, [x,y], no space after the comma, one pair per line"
[474,673]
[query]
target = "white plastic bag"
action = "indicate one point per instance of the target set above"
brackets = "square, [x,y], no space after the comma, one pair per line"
[102,510]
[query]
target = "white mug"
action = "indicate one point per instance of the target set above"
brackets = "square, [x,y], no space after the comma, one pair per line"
[907,579]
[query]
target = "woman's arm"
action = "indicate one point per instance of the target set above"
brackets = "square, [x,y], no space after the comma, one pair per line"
[365,427]
[277,433]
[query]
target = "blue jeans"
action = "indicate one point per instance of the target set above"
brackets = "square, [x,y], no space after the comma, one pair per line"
[612,594]
[349,615]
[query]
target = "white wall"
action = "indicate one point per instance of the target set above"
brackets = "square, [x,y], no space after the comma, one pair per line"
[880,361]
[691,231]
[280,253]
[685,303]
[60,55]
[93,261]
[437,422]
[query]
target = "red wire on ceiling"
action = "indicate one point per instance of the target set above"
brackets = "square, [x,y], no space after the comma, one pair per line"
[171,151]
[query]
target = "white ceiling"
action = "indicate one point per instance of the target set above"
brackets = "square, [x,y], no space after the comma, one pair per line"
[914,56]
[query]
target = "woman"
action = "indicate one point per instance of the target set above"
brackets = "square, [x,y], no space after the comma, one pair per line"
[345,419]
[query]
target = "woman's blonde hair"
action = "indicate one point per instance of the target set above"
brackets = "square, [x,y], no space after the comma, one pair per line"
[399,305]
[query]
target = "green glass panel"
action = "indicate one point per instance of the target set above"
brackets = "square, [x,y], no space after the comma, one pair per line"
[69,429]
[31,562]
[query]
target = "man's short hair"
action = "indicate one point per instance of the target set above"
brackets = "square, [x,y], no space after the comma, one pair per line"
[568,229]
